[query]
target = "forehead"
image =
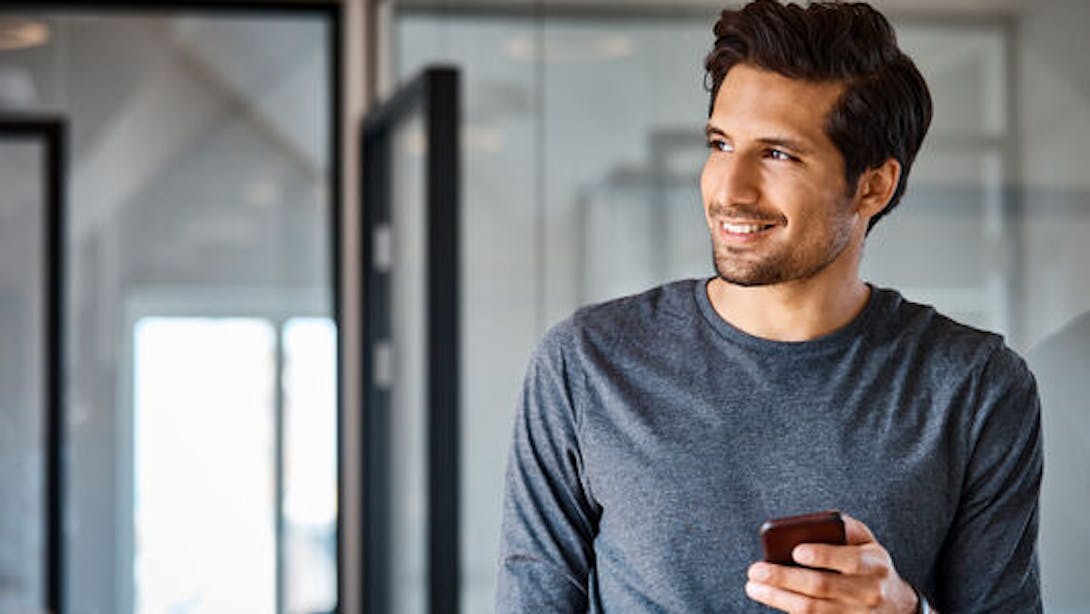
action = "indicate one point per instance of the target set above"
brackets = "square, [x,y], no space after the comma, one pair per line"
[757,103]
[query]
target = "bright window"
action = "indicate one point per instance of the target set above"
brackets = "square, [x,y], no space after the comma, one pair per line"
[205,434]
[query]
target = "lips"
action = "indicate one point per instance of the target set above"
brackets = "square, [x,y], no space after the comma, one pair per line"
[745,231]
[744,228]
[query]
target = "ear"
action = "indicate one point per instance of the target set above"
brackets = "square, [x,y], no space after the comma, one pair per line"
[876,187]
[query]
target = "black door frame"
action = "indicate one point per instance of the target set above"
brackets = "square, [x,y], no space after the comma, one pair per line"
[434,96]
[52,133]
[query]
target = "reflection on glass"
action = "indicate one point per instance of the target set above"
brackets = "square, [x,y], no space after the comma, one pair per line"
[409,393]
[204,443]
[22,409]
[310,465]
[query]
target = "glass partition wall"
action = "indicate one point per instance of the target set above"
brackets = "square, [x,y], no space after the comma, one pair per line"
[200,421]
[582,145]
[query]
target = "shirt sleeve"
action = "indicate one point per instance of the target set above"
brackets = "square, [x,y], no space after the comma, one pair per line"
[549,518]
[989,563]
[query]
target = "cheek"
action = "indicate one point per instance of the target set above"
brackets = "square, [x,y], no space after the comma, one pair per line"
[707,180]
[804,200]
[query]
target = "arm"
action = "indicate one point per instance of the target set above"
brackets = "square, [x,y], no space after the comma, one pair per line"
[989,560]
[549,518]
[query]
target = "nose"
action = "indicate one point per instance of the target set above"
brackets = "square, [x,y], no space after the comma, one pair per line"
[730,180]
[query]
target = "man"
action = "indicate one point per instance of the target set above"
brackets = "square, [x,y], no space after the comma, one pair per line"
[657,432]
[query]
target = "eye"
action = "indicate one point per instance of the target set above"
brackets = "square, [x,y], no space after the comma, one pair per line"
[779,154]
[719,145]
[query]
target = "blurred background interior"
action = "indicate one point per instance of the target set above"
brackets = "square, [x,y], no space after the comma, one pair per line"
[188,370]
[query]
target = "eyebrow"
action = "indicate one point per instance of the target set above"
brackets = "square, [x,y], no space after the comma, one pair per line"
[793,145]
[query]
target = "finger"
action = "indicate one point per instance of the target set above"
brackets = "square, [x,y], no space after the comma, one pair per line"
[856,532]
[787,601]
[862,560]
[808,582]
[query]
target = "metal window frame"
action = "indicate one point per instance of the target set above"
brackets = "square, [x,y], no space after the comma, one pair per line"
[52,133]
[434,94]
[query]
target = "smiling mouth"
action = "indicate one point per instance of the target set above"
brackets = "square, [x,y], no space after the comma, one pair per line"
[744,228]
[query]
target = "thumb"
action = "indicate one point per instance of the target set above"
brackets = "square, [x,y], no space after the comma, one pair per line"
[856,532]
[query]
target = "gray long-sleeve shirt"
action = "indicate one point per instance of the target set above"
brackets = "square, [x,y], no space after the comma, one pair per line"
[652,439]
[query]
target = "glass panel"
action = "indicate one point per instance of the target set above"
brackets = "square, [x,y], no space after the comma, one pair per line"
[199,183]
[500,250]
[954,201]
[543,173]
[647,74]
[408,398]
[22,399]
[1053,90]
[944,244]
[967,72]
[310,465]
[204,460]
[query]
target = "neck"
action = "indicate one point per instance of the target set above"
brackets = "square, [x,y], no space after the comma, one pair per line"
[799,310]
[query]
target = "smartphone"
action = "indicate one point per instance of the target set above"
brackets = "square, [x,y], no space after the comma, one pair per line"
[779,536]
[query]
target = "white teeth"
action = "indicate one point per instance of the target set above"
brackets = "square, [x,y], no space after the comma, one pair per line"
[741,229]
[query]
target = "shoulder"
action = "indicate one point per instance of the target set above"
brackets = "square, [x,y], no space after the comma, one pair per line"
[955,357]
[917,328]
[607,337]
[639,317]
[673,300]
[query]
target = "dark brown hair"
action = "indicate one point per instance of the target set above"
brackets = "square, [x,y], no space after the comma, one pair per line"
[885,109]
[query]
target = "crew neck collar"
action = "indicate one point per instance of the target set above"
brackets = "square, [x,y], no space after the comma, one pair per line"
[831,340]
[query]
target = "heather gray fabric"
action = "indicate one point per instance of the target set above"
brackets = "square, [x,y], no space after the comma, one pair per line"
[652,439]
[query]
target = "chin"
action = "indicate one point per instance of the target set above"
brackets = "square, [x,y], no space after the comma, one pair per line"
[748,274]
[752,278]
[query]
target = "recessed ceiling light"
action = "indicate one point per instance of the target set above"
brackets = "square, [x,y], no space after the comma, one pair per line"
[20,33]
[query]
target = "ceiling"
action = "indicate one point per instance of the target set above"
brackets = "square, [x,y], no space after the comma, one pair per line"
[892,7]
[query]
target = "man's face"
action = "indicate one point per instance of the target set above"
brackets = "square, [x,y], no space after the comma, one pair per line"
[775,197]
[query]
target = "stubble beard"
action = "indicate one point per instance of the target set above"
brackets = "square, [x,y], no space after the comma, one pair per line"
[764,272]
[783,264]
